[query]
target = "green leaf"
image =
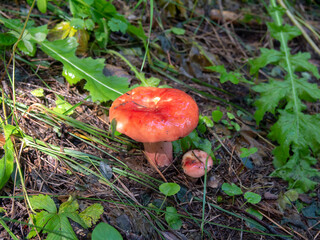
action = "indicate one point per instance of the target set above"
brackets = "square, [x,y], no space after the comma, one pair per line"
[247,152]
[266,57]
[252,223]
[91,214]
[89,24]
[77,23]
[101,88]
[225,76]
[117,25]
[151,82]
[6,162]
[169,189]
[298,130]
[217,115]
[62,106]
[42,5]
[300,63]
[231,189]
[60,228]
[206,120]
[283,32]
[39,92]
[172,218]
[104,231]
[7,39]
[178,31]
[43,202]
[252,198]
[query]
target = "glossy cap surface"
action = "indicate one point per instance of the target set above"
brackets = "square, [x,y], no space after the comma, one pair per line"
[149,114]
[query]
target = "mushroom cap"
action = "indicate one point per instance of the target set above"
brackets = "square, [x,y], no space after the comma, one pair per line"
[150,114]
[193,163]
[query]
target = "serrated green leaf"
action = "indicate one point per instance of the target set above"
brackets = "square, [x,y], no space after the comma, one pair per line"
[300,130]
[43,202]
[283,32]
[300,63]
[69,206]
[231,189]
[117,25]
[40,220]
[266,57]
[270,95]
[172,218]
[60,228]
[91,214]
[101,88]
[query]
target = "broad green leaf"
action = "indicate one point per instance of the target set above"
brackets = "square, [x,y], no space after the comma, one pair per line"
[77,23]
[43,202]
[151,82]
[169,189]
[7,39]
[60,228]
[89,24]
[104,231]
[252,198]
[91,214]
[231,189]
[217,115]
[206,120]
[40,220]
[42,5]
[266,57]
[101,88]
[172,218]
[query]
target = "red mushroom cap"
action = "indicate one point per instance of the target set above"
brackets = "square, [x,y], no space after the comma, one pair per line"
[194,161]
[149,114]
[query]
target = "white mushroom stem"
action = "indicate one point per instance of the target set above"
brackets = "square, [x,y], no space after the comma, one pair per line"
[159,153]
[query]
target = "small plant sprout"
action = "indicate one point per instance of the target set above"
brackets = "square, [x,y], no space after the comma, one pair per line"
[245,152]
[155,117]
[196,163]
[171,216]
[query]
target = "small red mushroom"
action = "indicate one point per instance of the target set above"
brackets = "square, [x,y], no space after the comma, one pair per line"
[193,163]
[155,117]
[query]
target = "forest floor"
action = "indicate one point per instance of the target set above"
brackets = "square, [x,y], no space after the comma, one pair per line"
[74,153]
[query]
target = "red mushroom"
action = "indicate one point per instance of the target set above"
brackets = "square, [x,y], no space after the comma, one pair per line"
[193,163]
[155,117]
